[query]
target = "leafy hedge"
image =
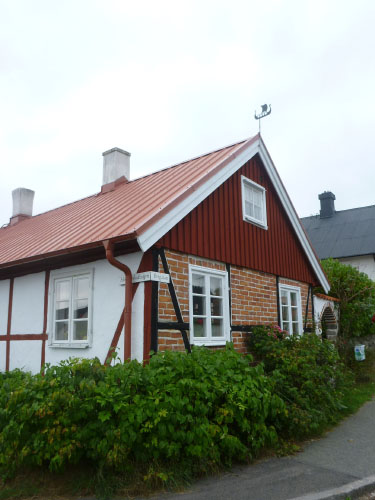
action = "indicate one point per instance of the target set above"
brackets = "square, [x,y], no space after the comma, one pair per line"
[306,373]
[356,292]
[206,408]
[201,410]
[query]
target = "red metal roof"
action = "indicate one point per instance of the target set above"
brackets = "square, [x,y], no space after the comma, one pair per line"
[124,212]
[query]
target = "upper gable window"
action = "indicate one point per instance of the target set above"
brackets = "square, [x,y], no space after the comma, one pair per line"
[254,203]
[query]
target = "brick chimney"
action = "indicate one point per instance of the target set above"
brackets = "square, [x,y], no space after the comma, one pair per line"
[116,168]
[327,204]
[23,200]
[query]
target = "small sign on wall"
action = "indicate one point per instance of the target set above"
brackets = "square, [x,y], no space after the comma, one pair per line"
[148,276]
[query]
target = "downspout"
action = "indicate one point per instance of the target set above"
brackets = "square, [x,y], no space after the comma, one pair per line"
[108,245]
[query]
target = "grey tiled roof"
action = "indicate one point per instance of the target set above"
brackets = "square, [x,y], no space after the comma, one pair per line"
[345,234]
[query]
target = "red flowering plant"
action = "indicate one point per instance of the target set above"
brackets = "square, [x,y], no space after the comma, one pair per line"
[263,339]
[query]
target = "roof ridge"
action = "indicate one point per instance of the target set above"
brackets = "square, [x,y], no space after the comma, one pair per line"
[338,212]
[191,159]
[136,179]
[355,208]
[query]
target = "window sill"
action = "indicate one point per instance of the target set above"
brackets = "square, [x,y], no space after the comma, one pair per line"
[255,222]
[208,343]
[70,346]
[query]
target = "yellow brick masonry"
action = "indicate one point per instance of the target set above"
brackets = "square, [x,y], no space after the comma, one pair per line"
[253,294]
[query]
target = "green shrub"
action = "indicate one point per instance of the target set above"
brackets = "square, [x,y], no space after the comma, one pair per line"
[356,292]
[204,408]
[306,373]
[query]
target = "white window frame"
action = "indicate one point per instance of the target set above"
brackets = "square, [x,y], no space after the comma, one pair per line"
[248,183]
[209,339]
[70,343]
[288,289]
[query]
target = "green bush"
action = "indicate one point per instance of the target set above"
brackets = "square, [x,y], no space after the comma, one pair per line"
[306,373]
[204,408]
[356,292]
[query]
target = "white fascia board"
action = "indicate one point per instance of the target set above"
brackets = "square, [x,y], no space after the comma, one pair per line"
[155,232]
[288,207]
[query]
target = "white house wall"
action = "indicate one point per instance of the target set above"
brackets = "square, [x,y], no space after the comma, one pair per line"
[2,357]
[4,298]
[364,263]
[137,323]
[25,354]
[107,305]
[28,304]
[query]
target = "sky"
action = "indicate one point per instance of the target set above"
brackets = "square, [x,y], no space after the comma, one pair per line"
[170,80]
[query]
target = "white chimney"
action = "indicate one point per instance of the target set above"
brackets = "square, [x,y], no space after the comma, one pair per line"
[116,167]
[22,204]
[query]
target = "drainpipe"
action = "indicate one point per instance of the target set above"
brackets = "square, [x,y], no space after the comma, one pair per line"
[108,245]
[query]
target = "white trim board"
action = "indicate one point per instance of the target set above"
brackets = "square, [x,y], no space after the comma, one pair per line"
[169,220]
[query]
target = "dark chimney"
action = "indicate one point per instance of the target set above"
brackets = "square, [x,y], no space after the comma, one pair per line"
[327,204]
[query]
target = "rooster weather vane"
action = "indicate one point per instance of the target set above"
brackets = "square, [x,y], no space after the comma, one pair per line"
[266,110]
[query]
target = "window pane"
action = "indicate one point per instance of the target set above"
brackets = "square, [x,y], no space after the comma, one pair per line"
[63,290]
[80,330]
[217,329]
[216,307]
[286,326]
[216,286]
[62,310]
[285,313]
[295,328]
[284,297]
[294,314]
[198,284]
[82,288]
[257,198]
[249,209]
[200,327]
[61,330]
[81,309]
[249,194]
[258,213]
[199,305]
[293,298]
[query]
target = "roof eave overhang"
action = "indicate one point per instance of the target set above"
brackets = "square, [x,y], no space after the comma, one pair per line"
[162,222]
[76,250]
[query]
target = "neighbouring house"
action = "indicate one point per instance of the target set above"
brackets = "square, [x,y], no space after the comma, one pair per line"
[346,235]
[196,253]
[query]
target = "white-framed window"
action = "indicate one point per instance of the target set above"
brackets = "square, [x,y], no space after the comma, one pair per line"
[71,309]
[254,206]
[208,306]
[290,309]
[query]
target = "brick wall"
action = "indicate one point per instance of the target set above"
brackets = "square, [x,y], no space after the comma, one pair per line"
[253,298]
[254,301]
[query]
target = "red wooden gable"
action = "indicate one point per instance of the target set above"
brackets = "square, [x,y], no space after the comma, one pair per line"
[215,229]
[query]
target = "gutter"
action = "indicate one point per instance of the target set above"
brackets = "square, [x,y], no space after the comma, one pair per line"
[108,245]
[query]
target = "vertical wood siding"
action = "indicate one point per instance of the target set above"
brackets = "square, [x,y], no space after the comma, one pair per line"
[216,230]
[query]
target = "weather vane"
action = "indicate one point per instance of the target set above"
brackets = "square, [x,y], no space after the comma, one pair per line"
[266,110]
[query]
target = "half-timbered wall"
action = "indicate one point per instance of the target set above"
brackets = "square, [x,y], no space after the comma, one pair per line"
[25,316]
[253,298]
[215,229]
